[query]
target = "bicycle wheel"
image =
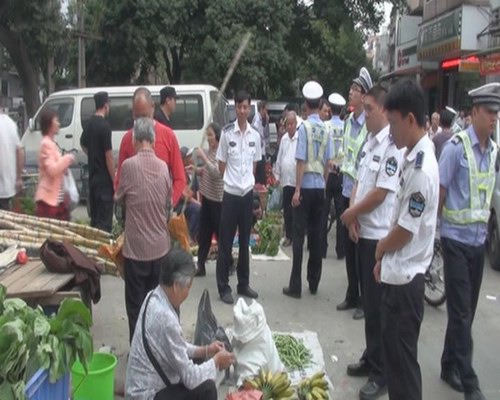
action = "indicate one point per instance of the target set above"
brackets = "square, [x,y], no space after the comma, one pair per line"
[435,294]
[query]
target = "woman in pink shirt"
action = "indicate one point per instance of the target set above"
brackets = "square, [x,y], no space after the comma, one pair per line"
[50,197]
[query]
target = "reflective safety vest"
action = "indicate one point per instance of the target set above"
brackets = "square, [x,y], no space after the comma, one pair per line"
[481,187]
[337,136]
[352,147]
[319,134]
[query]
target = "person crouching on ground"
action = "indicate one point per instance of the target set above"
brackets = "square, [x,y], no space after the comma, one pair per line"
[160,363]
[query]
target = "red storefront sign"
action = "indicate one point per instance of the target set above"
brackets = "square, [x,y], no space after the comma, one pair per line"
[490,65]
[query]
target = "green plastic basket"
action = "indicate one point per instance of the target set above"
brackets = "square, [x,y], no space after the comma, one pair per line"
[100,381]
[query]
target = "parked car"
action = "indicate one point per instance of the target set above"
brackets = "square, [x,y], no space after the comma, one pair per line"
[194,112]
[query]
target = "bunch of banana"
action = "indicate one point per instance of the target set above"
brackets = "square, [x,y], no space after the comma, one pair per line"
[313,388]
[273,386]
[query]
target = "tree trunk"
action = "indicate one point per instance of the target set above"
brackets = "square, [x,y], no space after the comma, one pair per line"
[25,66]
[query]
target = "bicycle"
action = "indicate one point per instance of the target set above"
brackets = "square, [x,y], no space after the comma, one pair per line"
[435,293]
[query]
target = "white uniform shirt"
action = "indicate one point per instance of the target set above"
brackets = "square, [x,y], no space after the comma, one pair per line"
[239,150]
[379,168]
[285,169]
[415,211]
[9,143]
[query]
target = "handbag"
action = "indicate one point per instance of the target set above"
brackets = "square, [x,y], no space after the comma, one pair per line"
[70,189]
[171,392]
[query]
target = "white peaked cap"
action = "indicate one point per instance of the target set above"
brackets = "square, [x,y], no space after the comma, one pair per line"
[312,90]
[336,99]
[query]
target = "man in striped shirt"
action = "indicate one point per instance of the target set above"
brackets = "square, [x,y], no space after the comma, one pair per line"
[145,189]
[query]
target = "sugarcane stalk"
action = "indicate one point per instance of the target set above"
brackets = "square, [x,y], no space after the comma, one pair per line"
[4,224]
[36,224]
[53,236]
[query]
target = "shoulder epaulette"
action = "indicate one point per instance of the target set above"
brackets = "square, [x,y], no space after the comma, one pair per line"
[419,159]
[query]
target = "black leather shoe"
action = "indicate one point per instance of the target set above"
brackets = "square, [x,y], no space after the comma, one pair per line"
[372,391]
[475,395]
[452,378]
[227,298]
[288,292]
[248,292]
[345,305]
[358,314]
[201,272]
[360,368]
[313,290]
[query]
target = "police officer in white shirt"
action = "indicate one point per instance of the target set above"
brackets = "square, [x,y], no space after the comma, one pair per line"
[405,253]
[372,200]
[285,171]
[313,155]
[238,152]
[334,181]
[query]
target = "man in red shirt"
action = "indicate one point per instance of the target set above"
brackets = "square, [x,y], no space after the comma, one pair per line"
[166,146]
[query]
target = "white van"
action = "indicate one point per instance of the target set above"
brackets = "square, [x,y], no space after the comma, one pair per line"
[195,106]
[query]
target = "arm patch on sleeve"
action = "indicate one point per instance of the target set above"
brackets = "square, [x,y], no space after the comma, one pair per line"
[416,205]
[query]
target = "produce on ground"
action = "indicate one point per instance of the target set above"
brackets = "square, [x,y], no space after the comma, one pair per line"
[293,354]
[30,232]
[269,229]
[30,340]
[273,386]
[313,388]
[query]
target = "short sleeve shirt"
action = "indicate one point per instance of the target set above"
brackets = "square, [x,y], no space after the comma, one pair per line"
[380,164]
[415,211]
[312,180]
[239,150]
[454,177]
[96,138]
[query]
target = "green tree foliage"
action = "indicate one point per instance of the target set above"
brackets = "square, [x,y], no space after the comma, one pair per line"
[30,31]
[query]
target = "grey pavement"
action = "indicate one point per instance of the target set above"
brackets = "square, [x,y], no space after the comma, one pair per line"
[339,335]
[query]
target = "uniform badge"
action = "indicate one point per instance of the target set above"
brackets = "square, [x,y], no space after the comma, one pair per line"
[417,204]
[251,144]
[391,166]
[376,158]
[232,144]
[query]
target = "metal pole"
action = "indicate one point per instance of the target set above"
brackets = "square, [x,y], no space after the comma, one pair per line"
[82,79]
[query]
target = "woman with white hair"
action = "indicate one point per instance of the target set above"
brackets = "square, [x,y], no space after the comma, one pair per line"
[160,362]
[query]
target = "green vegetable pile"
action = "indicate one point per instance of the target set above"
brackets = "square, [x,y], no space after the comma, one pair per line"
[30,340]
[293,354]
[269,229]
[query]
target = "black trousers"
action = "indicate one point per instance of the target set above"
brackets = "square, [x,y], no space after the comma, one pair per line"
[101,207]
[236,212]
[260,171]
[402,312]
[209,224]
[334,192]
[372,297]
[206,391]
[463,275]
[354,285]
[5,204]
[140,278]
[288,192]
[307,217]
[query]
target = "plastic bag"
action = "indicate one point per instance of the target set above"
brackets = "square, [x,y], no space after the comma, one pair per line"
[207,331]
[70,189]
[253,343]
[275,199]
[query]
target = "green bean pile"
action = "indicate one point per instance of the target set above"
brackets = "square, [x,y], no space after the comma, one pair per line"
[293,354]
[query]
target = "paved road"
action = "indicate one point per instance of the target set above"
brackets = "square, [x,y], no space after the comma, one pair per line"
[339,334]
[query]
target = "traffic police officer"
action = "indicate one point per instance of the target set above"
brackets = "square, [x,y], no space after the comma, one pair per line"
[238,152]
[467,175]
[354,138]
[334,181]
[313,154]
[405,253]
[372,200]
